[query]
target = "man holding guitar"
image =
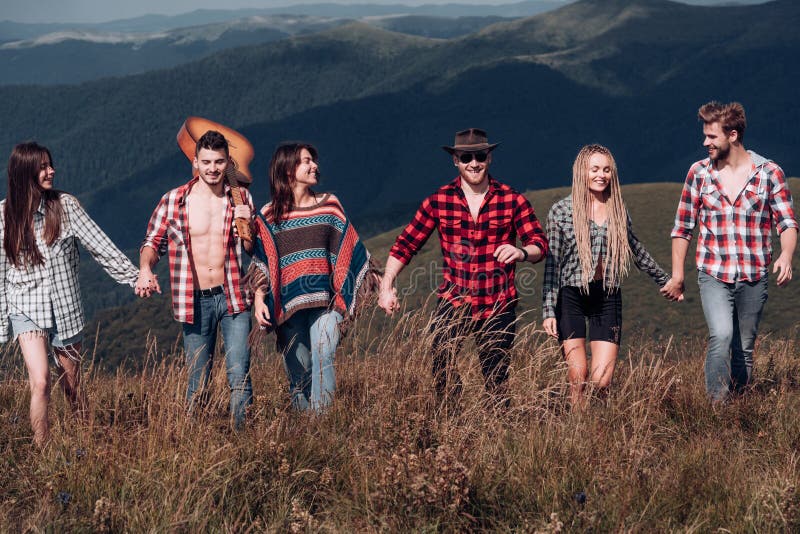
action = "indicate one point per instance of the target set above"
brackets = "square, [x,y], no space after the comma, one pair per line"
[195,224]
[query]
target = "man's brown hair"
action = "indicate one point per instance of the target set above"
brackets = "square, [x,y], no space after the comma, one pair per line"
[729,116]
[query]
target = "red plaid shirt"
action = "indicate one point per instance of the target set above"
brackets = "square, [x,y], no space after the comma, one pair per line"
[735,238]
[168,231]
[471,273]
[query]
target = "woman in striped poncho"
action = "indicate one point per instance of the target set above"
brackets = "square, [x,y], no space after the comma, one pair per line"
[308,267]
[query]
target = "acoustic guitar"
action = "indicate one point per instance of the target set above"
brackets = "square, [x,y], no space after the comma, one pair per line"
[241,154]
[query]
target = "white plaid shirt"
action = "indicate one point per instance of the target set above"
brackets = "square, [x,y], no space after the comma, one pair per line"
[51,292]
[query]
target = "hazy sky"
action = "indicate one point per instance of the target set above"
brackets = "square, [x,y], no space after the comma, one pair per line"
[105,10]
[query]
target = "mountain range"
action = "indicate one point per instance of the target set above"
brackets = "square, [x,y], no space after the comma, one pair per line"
[379,104]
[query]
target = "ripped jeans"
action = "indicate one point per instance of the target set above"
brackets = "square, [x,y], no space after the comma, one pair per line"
[308,341]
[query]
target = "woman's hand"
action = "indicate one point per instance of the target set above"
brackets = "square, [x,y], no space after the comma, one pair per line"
[549,326]
[387,300]
[261,311]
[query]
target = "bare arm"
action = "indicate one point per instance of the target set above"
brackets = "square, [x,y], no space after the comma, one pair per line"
[673,289]
[387,299]
[147,281]
[783,265]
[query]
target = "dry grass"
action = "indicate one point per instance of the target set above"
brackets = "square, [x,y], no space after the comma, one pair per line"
[652,456]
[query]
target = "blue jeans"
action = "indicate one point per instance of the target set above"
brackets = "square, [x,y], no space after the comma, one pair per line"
[308,341]
[733,311]
[199,341]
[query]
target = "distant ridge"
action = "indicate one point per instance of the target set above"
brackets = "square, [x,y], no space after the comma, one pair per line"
[379,103]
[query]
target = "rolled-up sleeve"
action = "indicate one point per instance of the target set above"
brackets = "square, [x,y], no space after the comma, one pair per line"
[688,206]
[529,229]
[156,236]
[780,202]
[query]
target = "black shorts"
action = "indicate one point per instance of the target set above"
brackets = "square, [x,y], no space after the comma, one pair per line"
[602,308]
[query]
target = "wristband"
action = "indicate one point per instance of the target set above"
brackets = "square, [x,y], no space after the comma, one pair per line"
[525,254]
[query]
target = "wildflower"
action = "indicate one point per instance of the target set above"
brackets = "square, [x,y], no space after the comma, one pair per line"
[580,497]
[103,515]
[63,497]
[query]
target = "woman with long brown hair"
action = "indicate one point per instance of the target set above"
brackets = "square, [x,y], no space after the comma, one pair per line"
[591,247]
[40,298]
[308,268]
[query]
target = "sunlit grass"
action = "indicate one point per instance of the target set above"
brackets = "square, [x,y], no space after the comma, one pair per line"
[652,456]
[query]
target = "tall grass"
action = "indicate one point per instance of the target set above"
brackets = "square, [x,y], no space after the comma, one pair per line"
[653,455]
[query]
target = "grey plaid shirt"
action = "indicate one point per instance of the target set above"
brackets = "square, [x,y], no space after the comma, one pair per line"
[563,265]
[50,291]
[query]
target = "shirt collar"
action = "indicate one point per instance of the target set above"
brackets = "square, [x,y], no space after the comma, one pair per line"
[40,208]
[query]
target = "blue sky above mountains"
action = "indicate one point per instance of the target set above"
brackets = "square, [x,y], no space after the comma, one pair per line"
[43,11]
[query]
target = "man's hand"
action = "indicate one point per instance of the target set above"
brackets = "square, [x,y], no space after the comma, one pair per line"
[261,312]
[549,326]
[387,300]
[242,211]
[508,253]
[783,266]
[146,284]
[673,290]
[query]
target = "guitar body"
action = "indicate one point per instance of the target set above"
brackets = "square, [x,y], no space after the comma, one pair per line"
[241,154]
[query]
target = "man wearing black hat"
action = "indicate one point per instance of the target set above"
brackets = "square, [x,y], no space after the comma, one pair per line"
[478,220]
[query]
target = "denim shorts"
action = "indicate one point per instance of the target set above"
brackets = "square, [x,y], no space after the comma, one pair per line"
[603,309]
[21,324]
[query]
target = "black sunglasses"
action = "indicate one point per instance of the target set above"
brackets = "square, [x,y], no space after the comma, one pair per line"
[467,157]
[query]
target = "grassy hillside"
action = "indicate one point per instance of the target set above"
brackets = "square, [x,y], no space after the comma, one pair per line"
[125,332]
[651,457]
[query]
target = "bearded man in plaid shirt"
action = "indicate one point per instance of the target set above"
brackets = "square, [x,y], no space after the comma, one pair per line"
[734,196]
[478,220]
[194,225]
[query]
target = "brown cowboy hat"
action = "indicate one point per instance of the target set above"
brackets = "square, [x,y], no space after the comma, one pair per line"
[470,140]
[239,148]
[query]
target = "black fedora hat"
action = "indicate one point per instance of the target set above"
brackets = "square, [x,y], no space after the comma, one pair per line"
[471,140]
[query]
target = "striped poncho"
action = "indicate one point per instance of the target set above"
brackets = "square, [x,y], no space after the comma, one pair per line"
[315,255]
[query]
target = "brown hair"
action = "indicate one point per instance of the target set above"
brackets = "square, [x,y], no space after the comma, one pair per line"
[24,195]
[281,177]
[212,140]
[618,251]
[729,116]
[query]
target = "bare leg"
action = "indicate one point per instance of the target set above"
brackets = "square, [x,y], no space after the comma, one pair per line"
[575,354]
[34,352]
[70,377]
[604,358]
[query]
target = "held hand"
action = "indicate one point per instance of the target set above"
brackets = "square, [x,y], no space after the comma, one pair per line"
[146,284]
[508,253]
[549,326]
[242,211]
[783,267]
[261,313]
[387,301]
[673,290]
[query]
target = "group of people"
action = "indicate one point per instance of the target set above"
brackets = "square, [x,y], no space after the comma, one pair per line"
[309,269]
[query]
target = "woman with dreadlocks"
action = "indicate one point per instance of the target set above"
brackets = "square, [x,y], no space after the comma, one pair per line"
[591,247]
[40,301]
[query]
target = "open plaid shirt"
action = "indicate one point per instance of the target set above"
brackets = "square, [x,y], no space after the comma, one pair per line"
[471,273]
[563,266]
[168,232]
[735,238]
[50,292]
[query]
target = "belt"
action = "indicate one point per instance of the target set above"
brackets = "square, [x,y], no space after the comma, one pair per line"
[211,291]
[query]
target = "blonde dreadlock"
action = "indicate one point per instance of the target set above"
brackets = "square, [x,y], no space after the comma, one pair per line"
[618,252]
